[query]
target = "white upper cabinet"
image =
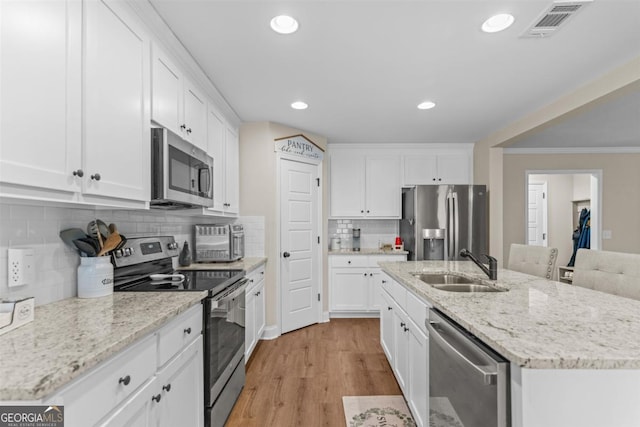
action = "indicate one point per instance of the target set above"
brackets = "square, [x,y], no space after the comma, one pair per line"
[40,124]
[223,147]
[177,104]
[347,184]
[195,116]
[432,168]
[364,185]
[75,103]
[383,189]
[116,91]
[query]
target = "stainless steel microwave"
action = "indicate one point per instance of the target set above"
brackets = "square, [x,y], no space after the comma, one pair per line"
[181,173]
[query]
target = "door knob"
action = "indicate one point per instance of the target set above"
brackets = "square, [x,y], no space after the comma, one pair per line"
[286,254]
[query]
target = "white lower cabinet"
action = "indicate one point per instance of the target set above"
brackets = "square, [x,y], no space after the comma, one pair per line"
[405,342]
[355,282]
[254,311]
[134,388]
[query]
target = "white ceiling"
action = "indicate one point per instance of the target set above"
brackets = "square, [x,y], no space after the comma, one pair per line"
[363,66]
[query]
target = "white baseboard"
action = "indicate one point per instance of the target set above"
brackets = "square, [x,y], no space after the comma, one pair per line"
[354,314]
[270,333]
[325,317]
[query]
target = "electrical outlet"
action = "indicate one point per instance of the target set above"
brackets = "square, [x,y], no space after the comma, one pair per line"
[606,234]
[20,269]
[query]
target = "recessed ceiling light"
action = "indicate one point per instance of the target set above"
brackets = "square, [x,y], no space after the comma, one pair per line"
[284,24]
[299,105]
[427,105]
[498,23]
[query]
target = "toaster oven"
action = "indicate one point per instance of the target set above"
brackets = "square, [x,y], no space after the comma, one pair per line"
[218,243]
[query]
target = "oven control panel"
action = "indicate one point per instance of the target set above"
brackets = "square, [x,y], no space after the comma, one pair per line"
[143,249]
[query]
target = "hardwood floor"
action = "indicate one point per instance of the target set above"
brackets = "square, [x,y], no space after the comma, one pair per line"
[299,378]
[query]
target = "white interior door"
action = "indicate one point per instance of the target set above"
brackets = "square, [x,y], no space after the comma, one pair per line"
[299,247]
[537,227]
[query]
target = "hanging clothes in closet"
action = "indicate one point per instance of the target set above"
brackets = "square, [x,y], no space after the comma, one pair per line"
[581,235]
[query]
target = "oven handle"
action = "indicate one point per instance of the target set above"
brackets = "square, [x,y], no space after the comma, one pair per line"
[488,377]
[241,288]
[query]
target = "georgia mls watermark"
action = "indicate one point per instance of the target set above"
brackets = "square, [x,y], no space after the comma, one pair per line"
[32,416]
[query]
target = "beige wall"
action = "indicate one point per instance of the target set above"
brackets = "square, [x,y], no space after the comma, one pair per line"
[258,196]
[488,159]
[620,193]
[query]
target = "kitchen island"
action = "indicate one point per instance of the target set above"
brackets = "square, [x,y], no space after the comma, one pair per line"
[574,352]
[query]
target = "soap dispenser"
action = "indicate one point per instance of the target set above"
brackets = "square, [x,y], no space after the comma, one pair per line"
[185,256]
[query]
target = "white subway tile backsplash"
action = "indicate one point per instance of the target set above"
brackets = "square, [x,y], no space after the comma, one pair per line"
[38,227]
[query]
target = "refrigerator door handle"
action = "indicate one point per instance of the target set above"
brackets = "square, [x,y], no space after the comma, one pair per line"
[450,236]
[456,224]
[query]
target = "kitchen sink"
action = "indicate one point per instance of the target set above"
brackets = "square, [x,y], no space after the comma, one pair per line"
[467,287]
[455,283]
[447,279]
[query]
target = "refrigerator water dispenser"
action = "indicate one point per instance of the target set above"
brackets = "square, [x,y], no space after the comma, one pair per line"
[433,243]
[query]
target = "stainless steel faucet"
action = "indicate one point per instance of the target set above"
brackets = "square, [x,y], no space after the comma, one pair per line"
[492,271]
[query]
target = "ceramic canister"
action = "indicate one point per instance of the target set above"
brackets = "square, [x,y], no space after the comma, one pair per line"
[95,277]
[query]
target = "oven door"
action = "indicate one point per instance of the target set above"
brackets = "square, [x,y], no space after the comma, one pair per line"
[224,328]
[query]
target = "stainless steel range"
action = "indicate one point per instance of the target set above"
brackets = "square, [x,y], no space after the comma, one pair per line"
[144,264]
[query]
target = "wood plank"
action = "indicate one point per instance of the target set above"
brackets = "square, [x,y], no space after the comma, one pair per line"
[300,378]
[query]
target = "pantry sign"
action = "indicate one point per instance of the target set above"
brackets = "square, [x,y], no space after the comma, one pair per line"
[299,146]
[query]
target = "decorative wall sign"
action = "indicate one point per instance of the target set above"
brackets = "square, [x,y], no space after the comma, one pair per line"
[300,146]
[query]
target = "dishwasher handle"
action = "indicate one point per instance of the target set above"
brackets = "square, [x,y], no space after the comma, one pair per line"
[488,377]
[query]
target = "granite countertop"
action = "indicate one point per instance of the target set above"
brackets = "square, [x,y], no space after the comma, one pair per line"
[538,323]
[246,264]
[366,251]
[69,337]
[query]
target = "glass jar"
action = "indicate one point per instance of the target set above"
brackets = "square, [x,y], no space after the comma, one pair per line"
[95,277]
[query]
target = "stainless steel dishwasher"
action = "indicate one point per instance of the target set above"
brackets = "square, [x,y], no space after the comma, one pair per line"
[468,381]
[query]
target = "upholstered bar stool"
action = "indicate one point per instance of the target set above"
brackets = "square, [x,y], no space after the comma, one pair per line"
[535,260]
[611,272]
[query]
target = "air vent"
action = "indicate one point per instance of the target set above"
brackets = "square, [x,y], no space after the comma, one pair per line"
[554,17]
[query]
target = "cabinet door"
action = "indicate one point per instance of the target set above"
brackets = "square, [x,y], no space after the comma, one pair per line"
[383,187]
[418,394]
[375,289]
[454,169]
[116,103]
[215,136]
[249,324]
[349,289]
[181,390]
[387,328]
[232,172]
[401,354]
[260,311]
[420,169]
[40,106]
[134,412]
[195,116]
[347,185]
[166,92]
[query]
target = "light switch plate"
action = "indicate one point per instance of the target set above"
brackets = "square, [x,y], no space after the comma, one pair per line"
[20,270]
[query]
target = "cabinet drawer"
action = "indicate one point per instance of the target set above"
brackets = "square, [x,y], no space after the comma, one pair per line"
[417,310]
[255,277]
[399,293]
[180,332]
[97,393]
[375,259]
[349,261]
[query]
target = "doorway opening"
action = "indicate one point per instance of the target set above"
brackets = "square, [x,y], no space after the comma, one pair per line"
[552,218]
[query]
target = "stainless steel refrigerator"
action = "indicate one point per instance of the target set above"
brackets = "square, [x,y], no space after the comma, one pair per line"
[440,220]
